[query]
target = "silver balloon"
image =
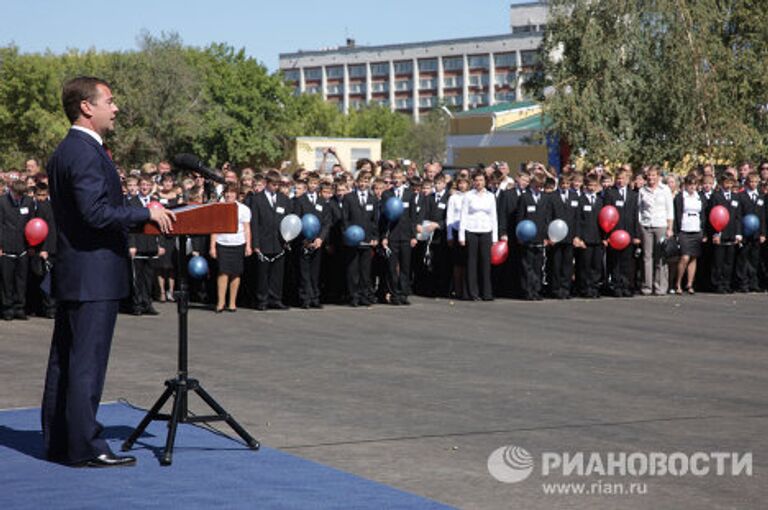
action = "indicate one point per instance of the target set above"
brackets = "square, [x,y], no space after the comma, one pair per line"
[557,231]
[425,233]
[290,227]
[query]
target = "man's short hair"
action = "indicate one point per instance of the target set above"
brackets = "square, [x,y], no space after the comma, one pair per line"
[273,176]
[77,90]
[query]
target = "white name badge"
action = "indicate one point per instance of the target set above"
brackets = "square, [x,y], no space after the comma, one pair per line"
[164,201]
[441,205]
[418,208]
[760,202]
[531,208]
[280,210]
[319,207]
[24,210]
[734,203]
[588,208]
[369,207]
[619,203]
[406,205]
[574,203]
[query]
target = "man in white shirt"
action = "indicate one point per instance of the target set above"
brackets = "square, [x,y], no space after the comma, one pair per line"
[657,214]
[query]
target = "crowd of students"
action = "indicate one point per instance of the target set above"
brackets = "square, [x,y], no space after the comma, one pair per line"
[439,245]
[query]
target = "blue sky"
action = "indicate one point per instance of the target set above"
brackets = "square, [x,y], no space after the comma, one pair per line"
[263,28]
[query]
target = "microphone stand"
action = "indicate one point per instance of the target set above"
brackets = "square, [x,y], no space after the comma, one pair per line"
[181,385]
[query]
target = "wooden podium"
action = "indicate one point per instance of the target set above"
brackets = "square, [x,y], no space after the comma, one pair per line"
[190,220]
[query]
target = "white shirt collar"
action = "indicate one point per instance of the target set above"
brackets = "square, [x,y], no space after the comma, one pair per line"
[93,134]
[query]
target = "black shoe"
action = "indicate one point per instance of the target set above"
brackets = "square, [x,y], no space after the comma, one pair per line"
[277,306]
[315,304]
[20,315]
[261,308]
[109,460]
[305,306]
[354,303]
[394,301]
[8,316]
[50,315]
[405,301]
[151,311]
[231,310]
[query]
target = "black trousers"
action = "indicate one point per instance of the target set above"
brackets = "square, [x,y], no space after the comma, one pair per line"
[479,265]
[399,269]
[722,267]
[419,276]
[621,270]
[532,265]
[589,266]
[309,276]
[359,273]
[439,277]
[13,282]
[77,365]
[748,266]
[143,277]
[269,280]
[561,269]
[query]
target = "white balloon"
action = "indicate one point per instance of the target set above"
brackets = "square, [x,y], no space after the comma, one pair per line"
[557,231]
[290,227]
[425,233]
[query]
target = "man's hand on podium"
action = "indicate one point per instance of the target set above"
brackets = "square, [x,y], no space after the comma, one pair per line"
[163,217]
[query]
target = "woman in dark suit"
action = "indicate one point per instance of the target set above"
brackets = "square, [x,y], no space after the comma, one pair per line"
[689,225]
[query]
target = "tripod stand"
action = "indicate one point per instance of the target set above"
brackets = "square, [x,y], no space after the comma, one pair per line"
[181,385]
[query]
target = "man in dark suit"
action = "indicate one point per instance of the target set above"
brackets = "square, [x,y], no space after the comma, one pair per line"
[360,208]
[437,208]
[620,266]
[91,275]
[310,250]
[588,240]
[563,205]
[268,209]
[16,209]
[532,205]
[746,276]
[400,237]
[724,242]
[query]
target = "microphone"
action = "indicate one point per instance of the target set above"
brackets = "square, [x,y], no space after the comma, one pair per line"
[193,163]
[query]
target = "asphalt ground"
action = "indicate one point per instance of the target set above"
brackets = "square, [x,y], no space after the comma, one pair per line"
[418,397]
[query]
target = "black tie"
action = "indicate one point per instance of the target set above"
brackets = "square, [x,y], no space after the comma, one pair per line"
[362,199]
[273,200]
[622,193]
[312,198]
[398,193]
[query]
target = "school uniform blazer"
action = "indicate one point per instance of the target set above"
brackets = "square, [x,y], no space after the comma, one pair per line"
[529,209]
[366,217]
[145,245]
[13,219]
[757,208]
[303,205]
[419,208]
[93,221]
[629,217]
[733,205]
[437,211]
[566,211]
[265,222]
[403,228]
[677,202]
[587,225]
[44,211]
[506,205]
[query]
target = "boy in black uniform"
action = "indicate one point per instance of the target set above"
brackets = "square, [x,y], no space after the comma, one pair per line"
[418,273]
[507,205]
[143,249]
[748,256]
[39,300]
[620,262]
[588,241]
[563,205]
[310,250]
[268,209]
[400,237]
[16,209]
[334,270]
[532,205]
[360,208]
[437,208]
[724,242]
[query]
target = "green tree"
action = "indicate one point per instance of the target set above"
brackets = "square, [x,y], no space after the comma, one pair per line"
[378,121]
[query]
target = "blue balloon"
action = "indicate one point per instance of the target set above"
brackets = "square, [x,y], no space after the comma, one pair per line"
[198,267]
[526,231]
[354,235]
[750,225]
[310,226]
[393,208]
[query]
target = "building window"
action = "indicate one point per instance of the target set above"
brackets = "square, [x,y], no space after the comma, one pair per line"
[453,81]
[313,73]
[334,72]
[427,102]
[529,58]
[291,74]
[427,65]
[453,100]
[330,160]
[427,84]
[358,154]
[380,69]
[505,60]
[403,103]
[334,90]
[401,85]
[356,71]
[478,61]
[313,89]
[522,29]
[505,79]
[478,99]
[453,63]
[403,67]
[379,86]
[505,97]
[357,88]
[356,104]
[380,102]
[477,80]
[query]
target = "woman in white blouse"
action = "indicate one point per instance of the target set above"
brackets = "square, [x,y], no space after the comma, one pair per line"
[478,229]
[689,229]
[458,252]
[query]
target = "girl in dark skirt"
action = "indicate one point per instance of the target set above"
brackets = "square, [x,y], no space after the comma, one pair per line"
[230,251]
[165,265]
[690,209]
[458,252]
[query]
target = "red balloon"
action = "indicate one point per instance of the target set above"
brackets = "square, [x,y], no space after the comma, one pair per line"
[608,218]
[499,252]
[155,205]
[36,231]
[619,239]
[719,217]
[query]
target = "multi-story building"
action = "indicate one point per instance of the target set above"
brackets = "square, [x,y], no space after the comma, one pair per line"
[416,77]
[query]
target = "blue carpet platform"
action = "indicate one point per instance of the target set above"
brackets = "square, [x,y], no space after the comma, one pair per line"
[209,471]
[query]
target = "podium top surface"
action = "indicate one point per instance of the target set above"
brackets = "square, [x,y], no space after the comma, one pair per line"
[200,219]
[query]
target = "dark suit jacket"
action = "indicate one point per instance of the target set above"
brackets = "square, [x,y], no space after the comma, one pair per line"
[145,245]
[734,208]
[93,221]
[587,225]
[404,228]
[14,216]
[436,212]
[44,211]
[564,211]
[678,206]
[353,213]
[757,208]
[303,205]
[629,218]
[528,209]
[506,205]
[265,222]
